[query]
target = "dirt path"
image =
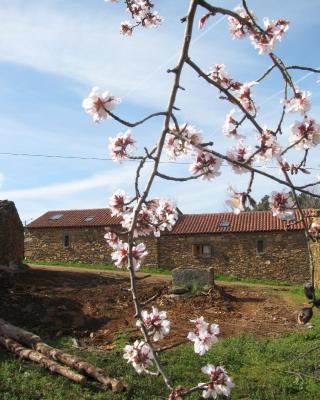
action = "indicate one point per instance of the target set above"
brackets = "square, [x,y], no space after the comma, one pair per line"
[95,306]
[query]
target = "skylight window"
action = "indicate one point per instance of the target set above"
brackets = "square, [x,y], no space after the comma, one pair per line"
[224,224]
[55,217]
[288,216]
[89,218]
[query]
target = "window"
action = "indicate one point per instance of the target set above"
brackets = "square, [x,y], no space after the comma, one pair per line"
[66,241]
[202,250]
[260,246]
[224,224]
[288,216]
[55,216]
[89,219]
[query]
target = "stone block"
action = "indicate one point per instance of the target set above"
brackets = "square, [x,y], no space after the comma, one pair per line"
[188,276]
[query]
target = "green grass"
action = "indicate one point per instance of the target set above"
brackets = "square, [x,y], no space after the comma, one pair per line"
[103,267]
[285,367]
[272,282]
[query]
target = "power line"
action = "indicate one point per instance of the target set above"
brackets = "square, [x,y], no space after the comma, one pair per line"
[111,159]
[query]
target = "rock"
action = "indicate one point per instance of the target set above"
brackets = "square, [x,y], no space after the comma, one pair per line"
[11,236]
[189,276]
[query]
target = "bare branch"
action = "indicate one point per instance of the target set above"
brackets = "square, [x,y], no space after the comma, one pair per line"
[133,124]
[173,178]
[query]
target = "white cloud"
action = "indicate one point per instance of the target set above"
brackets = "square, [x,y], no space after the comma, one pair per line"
[80,45]
[106,179]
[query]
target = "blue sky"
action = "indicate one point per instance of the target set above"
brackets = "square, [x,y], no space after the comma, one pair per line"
[51,54]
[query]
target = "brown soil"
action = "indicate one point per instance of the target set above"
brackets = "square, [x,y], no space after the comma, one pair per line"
[94,306]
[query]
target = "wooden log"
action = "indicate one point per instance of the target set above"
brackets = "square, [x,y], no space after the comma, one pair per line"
[35,342]
[39,358]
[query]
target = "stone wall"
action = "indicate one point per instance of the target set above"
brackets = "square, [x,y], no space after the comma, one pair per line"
[86,245]
[11,235]
[284,256]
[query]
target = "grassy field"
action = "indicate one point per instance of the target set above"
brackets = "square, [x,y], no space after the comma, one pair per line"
[286,367]
[283,367]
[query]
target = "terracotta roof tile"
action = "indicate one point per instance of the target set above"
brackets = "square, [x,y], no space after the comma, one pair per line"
[75,218]
[253,221]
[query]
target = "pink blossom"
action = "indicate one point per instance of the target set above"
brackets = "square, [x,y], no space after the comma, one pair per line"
[219,75]
[112,239]
[152,20]
[165,216]
[122,146]
[230,127]
[142,11]
[274,30]
[176,147]
[238,29]
[139,355]
[268,146]
[99,103]
[156,323]
[143,225]
[305,134]
[126,28]
[241,154]
[154,216]
[236,200]
[221,383]
[298,103]
[203,336]
[280,202]
[120,254]
[244,96]
[206,164]
[118,202]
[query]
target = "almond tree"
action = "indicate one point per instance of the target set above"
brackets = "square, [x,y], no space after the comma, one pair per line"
[143,216]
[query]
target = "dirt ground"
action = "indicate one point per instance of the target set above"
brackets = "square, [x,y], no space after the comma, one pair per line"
[94,306]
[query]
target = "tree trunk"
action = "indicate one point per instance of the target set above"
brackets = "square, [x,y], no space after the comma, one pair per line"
[35,342]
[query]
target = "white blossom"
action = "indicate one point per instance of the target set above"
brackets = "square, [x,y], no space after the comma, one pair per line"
[203,336]
[122,146]
[139,355]
[118,202]
[99,103]
[176,147]
[156,323]
[236,200]
[298,103]
[206,164]
[120,255]
[280,202]
[221,383]
[305,134]
[242,154]
[230,127]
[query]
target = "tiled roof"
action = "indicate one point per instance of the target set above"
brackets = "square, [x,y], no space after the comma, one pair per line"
[253,221]
[75,218]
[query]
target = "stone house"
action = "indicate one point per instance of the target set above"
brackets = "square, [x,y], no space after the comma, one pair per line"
[251,244]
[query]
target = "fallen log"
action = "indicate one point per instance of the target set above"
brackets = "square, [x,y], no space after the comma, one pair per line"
[35,342]
[39,358]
